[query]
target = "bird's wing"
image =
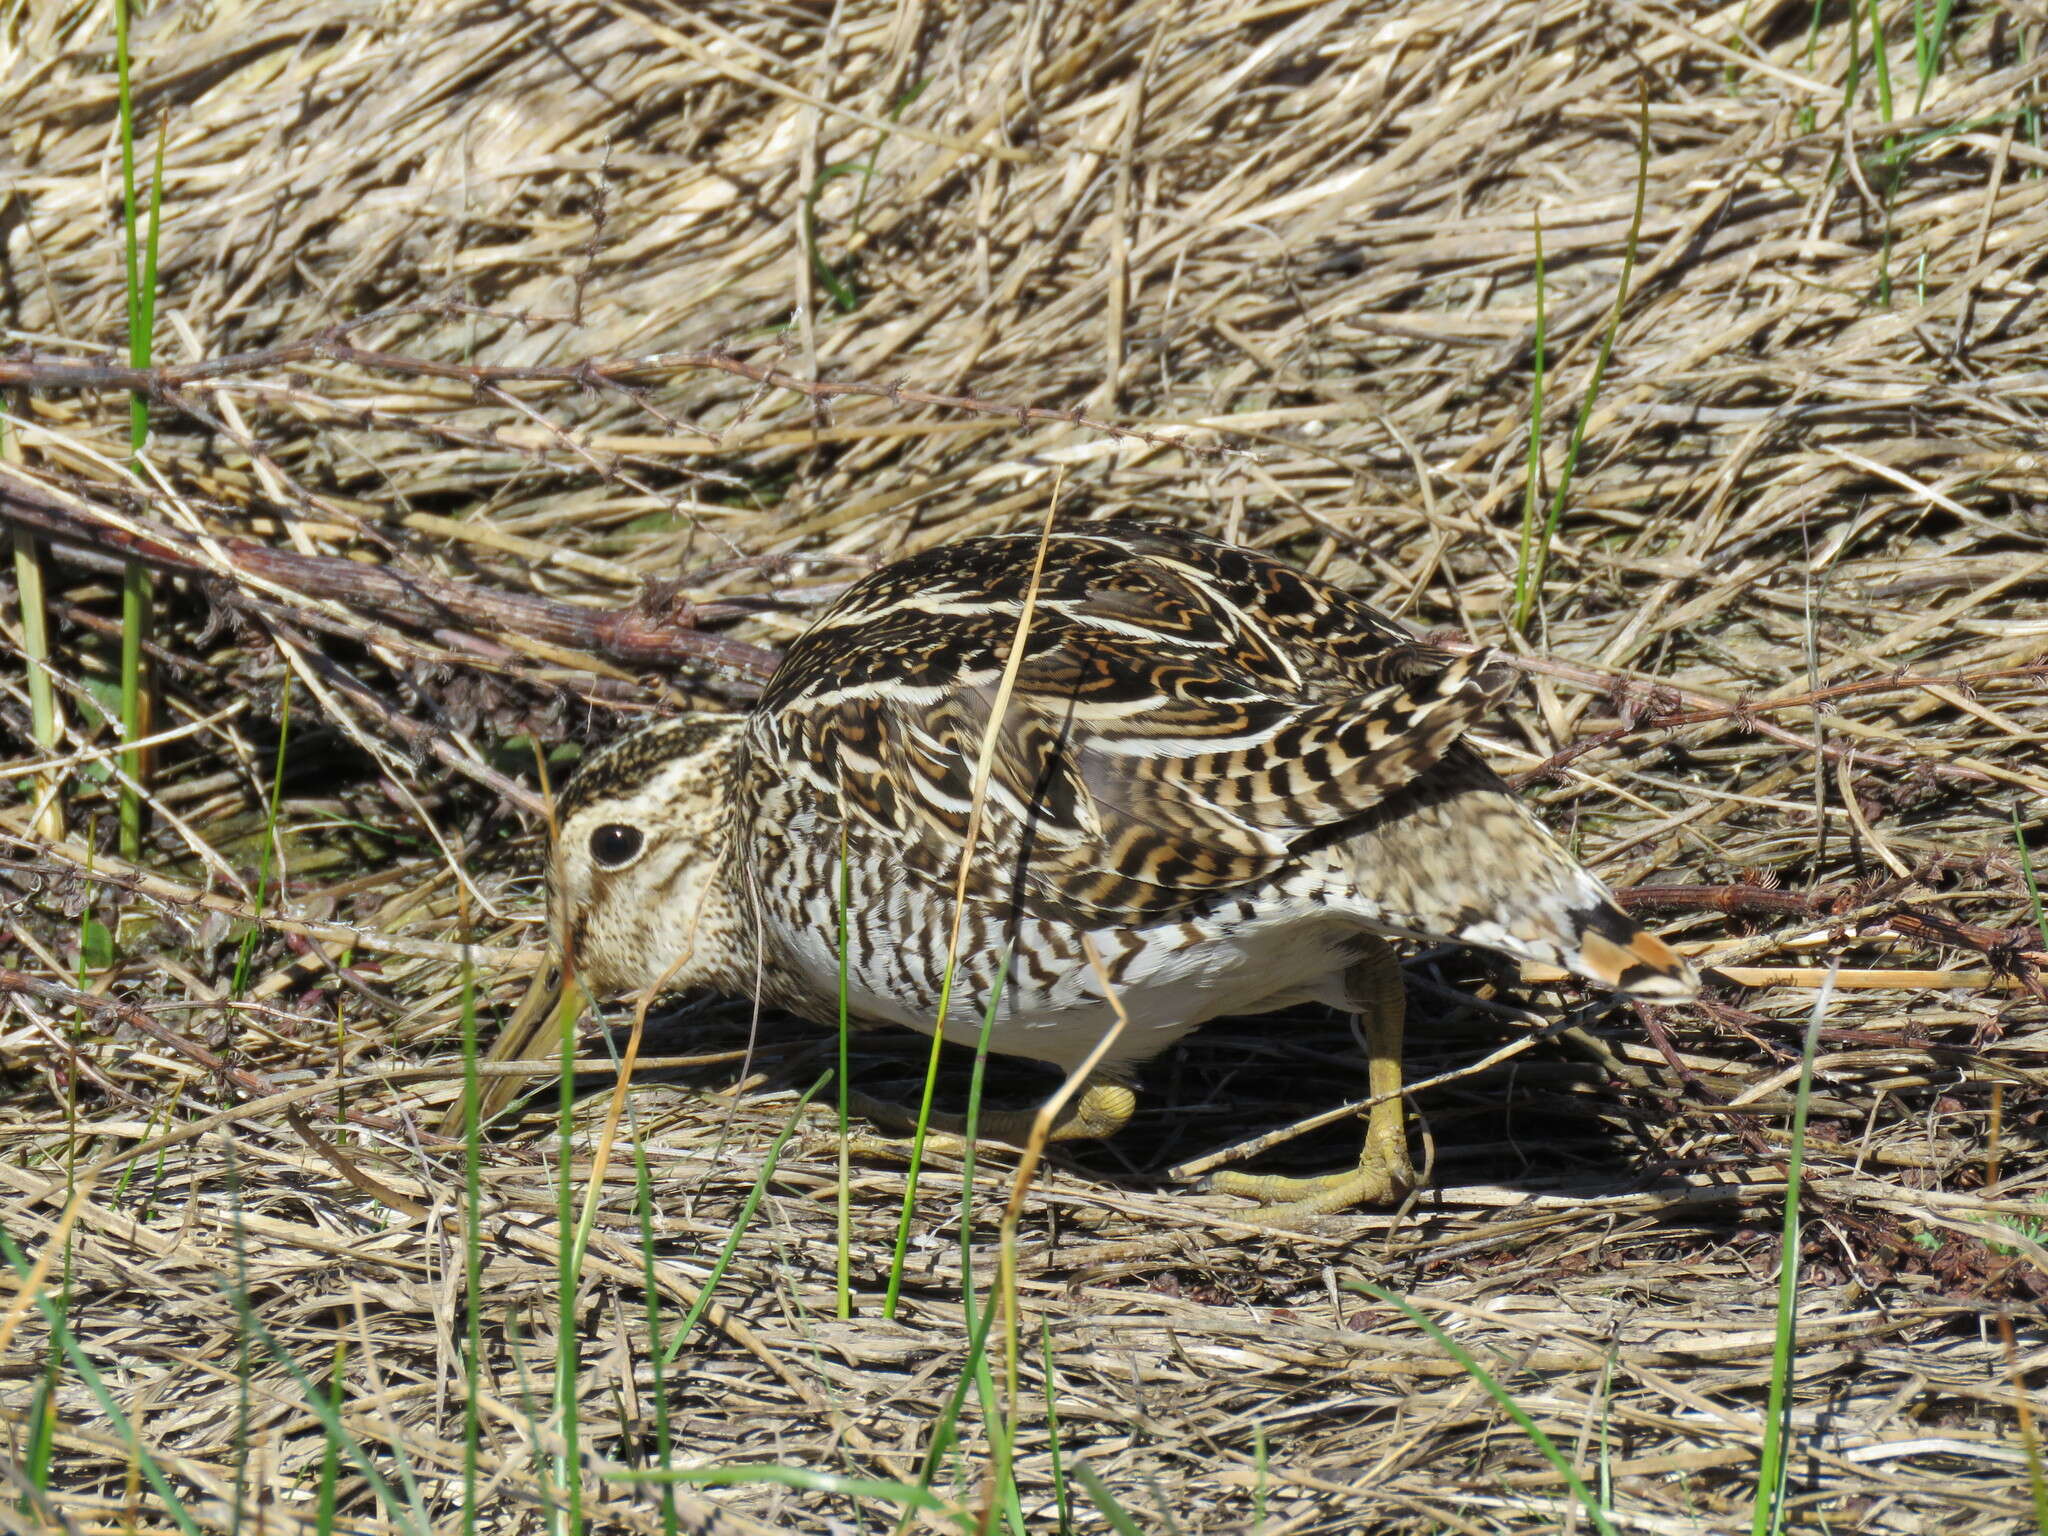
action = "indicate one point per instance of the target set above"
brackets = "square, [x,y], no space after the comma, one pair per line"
[1175,728]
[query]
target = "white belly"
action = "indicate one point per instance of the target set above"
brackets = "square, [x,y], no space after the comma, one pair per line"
[1169,978]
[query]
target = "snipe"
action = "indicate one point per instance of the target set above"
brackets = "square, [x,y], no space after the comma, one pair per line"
[1236,781]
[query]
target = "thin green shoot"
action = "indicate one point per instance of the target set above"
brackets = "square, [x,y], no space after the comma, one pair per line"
[330,1459]
[740,1225]
[1607,1427]
[1000,1425]
[1897,150]
[247,952]
[1532,486]
[975,1368]
[319,1403]
[137,597]
[1930,38]
[1595,1510]
[1881,65]
[568,1276]
[893,1291]
[87,1372]
[1106,1503]
[536,1438]
[346,959]
[472,1236]
[808,1480]
[949,1413]
[845,297]
[1533,593]
[1806,117]
[2030,1439]
[984,764]
[40,1451]
[1767,1510]
[2019,838]
[1882,61]
[1260,1471]
[1061,1497]
[650,1285]
[844,1303]
[2031,117]
[48,816]
[1852,77]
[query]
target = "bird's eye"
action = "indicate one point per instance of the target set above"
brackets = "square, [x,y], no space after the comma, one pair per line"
[614,846]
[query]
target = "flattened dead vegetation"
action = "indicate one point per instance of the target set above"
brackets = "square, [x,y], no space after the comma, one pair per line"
[486,416]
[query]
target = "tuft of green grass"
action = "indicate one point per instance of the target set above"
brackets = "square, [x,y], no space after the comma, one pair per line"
[84,1369]
[1062,1499]
[1930,39]
[664,1441]
[741,1223]
[1529,577]
[1532,486]
[844,1303]
[247,951]
[137,588]
[1595,1510]
[322,1404]
[325,1500]
[568,1469]
[1881,63]
[1767,1509]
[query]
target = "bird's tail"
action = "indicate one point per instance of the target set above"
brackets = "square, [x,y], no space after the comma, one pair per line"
[1460,857]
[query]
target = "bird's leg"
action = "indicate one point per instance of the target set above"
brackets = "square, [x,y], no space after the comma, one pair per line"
[1099,1108]
[1384,1173]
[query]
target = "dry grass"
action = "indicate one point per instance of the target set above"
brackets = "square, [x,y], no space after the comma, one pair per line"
[1300,232]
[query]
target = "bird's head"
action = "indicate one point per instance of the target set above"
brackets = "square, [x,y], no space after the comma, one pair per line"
[639,890]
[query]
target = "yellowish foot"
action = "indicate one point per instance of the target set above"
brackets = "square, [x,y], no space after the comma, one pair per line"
[1383,1174]
[1100,1108]
[1382,1177]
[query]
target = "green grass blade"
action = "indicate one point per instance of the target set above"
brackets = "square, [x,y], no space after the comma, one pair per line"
[246,953]
[917,1500]
[137,588]
[1532,488]
[739,1227]
[1493,1389]
[330,1458]
[1052,1430]
[1930,40]
[1767,1512]
[472,1240]
[87,1372]
[844,1230]
[568,1276]
[41,1450]
[318,1402]
[664,1443]
[1106,1503]
[975,1367]
[2019,838]
[1882,62]
[1534,593]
